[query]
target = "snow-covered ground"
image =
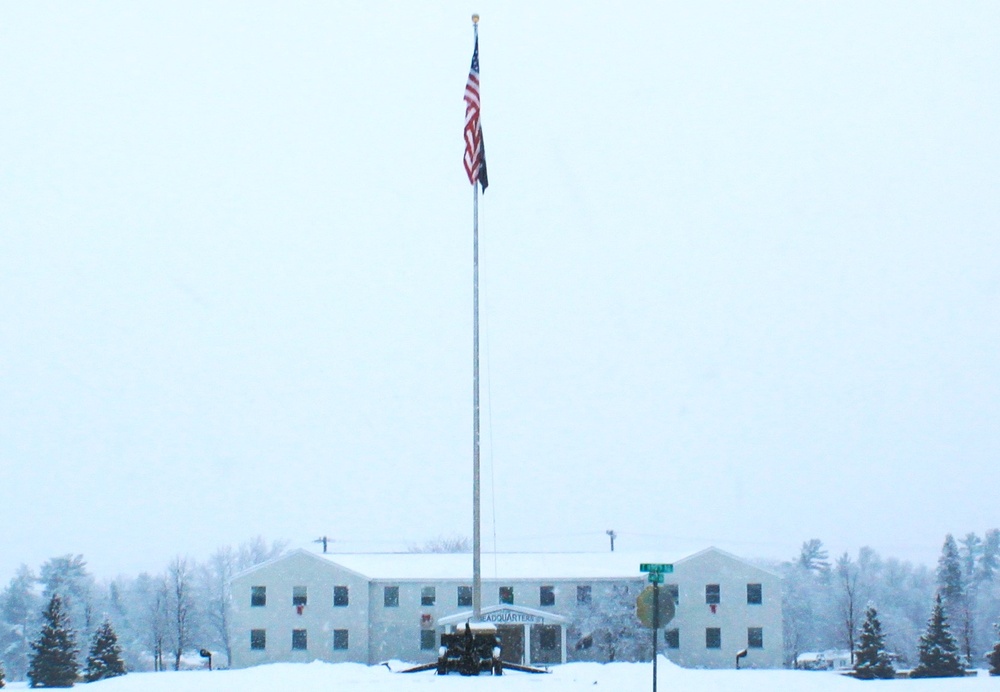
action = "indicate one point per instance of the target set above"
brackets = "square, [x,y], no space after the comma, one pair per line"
[323,677]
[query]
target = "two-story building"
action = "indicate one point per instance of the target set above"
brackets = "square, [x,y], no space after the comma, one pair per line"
[549,608]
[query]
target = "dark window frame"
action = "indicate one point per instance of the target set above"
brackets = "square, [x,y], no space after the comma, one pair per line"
[713,594]
[463,596]
[548,637]
[300,640]
[390,596]
[584,594]
[428,640]
[546,596]
[258,596]
[428,595]
[755,594]
[505,595]
[672,638]
[300,595]
[258,640]
[341,640]
[713,637]
[341,597]
[755,637]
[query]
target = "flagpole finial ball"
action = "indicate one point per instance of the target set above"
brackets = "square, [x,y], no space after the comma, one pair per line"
[475,19]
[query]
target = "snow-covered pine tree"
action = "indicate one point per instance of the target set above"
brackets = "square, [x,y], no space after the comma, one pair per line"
[68,577]
[53,659]
[994,659]
[813,556]
[951,585]
[938,652]
[989,559]
[2,683]
[105,658]
[970,550]
[20,609]
[872,660]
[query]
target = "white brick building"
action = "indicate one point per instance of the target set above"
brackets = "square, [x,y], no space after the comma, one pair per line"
[550,608]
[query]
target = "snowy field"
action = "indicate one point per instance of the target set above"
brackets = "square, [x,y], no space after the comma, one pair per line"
[323,677]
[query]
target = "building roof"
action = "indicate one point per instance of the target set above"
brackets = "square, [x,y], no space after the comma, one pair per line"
[515,566]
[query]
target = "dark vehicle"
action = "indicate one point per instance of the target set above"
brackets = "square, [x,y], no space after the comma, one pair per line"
[471,650]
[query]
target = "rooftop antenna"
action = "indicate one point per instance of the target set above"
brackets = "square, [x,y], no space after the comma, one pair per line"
[324,540]
[612,535]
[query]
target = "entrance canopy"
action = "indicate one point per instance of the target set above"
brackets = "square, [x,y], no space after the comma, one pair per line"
[526,635]
[506,615]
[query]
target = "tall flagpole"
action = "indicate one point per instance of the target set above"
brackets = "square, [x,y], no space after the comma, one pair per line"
[477,576]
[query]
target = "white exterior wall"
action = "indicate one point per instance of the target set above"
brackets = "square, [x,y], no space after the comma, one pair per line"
[279,617]
[377,633]
[733,616]
[395,632]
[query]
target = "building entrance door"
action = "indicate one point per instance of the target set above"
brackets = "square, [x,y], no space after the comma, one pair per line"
[511,643]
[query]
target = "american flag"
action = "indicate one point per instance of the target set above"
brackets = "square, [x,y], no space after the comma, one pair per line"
[475,150]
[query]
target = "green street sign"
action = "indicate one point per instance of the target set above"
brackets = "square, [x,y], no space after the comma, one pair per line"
[664,568]
[656,577]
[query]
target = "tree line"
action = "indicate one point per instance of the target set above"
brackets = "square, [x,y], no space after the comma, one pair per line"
[156,618]
[826,604]
[879,609]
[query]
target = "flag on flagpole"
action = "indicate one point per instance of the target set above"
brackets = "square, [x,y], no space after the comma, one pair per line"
[475,152]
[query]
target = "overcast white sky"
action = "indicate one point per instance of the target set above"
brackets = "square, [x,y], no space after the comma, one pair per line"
[741,276]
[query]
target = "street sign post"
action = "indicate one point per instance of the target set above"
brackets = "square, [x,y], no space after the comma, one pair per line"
[650,600]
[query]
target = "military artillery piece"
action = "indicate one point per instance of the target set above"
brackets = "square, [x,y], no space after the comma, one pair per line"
[470,651]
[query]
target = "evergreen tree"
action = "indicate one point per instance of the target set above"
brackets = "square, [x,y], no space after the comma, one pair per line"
[938,652]
[68,577]
[989,558]
[813,556]
[2,683]
[53,661]
[20,609]
[105,658]
[872,660]
[949,573]
[994,660]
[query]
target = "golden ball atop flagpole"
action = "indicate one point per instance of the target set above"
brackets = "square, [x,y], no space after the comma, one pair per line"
[475,19]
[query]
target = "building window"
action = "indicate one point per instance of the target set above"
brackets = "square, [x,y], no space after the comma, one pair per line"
[428,595]
[755,594]
[547,595]
[674,591]
[507,595]
[465,596]
[340,640]
[258,596]
[258,640]
[298,595]
[546,643]
[299,642]
[672,638]
[390,596]
[583,595]
[428,640]
[713,638]
[755,637]
[341,597]
[548,637]
[712,594]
